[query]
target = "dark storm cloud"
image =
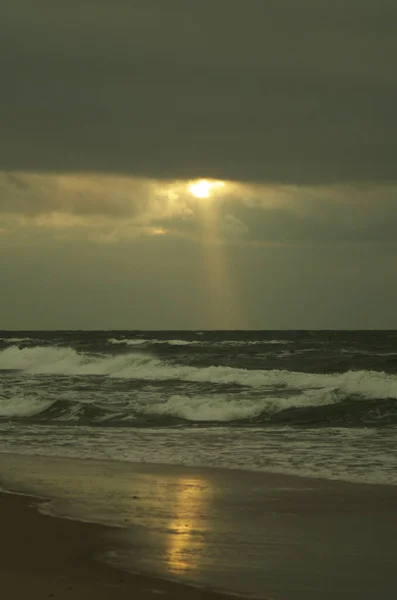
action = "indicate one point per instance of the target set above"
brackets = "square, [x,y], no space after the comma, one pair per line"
[287,91]
[298,214]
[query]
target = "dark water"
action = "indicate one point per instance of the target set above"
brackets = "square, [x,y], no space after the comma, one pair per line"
[213,398]
[255,378]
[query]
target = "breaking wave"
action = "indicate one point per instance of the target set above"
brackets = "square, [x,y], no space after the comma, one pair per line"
[216,394]
[211,408]
[145,342]
[50,360]
[128,342]
[15,340]
[22,406]
[176,342]
[67,361]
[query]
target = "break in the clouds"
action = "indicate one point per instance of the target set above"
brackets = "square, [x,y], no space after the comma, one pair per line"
[110,208]
[279,92]
[109,110]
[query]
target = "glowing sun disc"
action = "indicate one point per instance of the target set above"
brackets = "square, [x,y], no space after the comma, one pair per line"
[203,188]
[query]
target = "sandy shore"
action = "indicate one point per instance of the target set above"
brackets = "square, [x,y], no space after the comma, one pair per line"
[271,536]
[46,557]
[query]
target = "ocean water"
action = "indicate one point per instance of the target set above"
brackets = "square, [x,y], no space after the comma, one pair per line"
[317,404]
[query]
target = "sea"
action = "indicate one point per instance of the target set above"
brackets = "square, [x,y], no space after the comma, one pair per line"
[320,404]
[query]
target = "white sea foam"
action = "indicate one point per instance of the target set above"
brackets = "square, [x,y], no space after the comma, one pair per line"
[225,408]
[22,406]
[128,342]
[40,359]
[66,361]
[211,408]
[272,342]
[16,340]
[370,353]
[358,455]
[134,365]
[214,407]
[176,342]
[140,342]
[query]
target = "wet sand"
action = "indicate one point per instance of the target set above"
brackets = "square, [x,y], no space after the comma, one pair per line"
[271,536]
[46,557]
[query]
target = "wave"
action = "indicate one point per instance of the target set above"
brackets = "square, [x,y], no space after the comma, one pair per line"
[141,342]
[16,340]
[50,360]
[220,394]
[252,342]
[213,343]
[67,361]
[223,408]
[179,342]
[271,342]
[23,406]
[369,353]
[207,410]
[128,342]
[211,408]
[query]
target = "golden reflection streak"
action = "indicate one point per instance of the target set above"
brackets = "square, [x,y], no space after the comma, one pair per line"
[185,543]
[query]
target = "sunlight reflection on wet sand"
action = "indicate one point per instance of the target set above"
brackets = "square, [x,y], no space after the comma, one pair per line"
[185,545]
[253,533]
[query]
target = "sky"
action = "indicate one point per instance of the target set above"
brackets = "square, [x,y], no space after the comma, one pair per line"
[222,164]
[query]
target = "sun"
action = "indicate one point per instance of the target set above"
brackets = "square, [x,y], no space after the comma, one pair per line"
[204,188]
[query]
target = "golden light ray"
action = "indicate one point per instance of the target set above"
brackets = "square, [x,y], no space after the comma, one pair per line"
[223,301]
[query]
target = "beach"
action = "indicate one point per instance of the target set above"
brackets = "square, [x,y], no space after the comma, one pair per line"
[43,557]
[261,464]
[269,536]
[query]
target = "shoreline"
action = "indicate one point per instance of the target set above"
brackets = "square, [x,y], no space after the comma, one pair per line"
[43,557]
[195,532]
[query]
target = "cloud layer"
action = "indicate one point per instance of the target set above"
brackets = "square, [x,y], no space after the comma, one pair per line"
[108,109]
[285,92]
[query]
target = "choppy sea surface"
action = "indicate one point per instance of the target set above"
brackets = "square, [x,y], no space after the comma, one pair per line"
[317,404]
